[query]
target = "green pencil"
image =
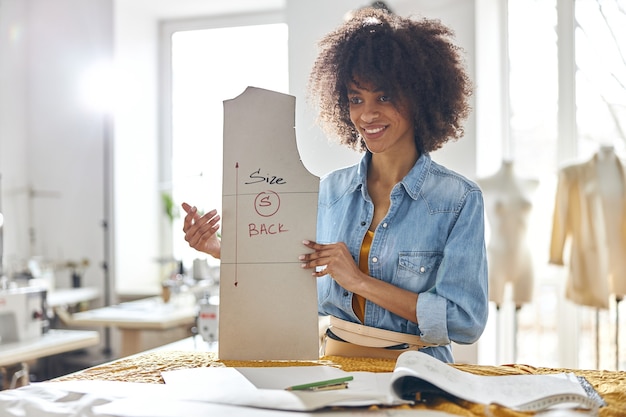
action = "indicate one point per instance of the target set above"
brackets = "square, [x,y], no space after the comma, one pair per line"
[321,384]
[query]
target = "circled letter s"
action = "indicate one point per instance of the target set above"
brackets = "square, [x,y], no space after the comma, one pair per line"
[267,203]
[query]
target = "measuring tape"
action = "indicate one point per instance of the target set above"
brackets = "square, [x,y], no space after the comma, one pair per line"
[552,400]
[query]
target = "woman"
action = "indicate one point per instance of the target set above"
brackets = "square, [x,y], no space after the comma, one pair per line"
[400,238]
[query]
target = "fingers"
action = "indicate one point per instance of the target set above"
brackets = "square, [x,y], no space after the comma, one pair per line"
[309,256]
[186,207]
[192,217]
[332,259]
[199,229]
[320,257]
[201,240]
[313,245]
[209,218]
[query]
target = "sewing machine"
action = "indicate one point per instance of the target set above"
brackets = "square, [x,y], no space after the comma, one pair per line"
[207,318]
[22,313]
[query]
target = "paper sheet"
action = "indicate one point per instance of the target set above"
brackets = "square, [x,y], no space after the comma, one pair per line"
[265,387]
[268,304]
[125,399]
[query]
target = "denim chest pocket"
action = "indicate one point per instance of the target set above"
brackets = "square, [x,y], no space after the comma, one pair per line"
[417,271]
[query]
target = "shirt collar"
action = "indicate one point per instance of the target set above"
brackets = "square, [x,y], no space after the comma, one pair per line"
[412,182]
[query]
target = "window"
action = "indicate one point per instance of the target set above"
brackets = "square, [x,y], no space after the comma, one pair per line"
[540,146]
[533,135]
[210,65]
[600,77]
[600,73]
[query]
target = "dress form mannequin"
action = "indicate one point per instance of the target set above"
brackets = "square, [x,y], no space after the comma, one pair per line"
[508,206]
[610,180]
[611,191]
[589,215]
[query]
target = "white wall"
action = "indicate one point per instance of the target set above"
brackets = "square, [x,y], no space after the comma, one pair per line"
[13,166]
[51,143]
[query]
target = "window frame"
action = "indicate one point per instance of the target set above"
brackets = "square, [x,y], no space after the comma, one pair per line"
[165,139]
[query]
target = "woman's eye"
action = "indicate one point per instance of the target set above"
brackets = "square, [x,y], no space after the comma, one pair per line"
[385,98]
[354,100]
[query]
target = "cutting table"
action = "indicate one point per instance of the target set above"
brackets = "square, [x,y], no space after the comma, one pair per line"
[53,342]
[143,324]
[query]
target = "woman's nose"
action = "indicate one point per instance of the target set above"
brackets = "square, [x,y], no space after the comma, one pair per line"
[369,115]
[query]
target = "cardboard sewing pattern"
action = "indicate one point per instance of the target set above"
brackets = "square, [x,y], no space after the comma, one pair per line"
[268,303]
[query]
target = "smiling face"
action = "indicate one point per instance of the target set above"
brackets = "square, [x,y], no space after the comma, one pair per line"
[382,121]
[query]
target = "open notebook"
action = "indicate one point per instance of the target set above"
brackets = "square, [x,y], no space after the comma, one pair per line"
[415,374]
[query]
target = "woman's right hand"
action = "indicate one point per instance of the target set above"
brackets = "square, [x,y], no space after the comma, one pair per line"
[201,231]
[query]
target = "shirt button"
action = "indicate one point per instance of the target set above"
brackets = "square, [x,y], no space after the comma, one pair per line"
[374,259]
[385,225]
[363,223]
[422,269]
[345,294]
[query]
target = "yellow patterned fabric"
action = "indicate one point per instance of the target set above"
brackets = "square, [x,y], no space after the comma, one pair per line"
[147,368]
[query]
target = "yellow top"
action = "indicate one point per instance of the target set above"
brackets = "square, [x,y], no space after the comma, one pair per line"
[358,302]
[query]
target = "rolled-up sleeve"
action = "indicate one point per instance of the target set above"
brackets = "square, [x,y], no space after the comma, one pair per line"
[457,306]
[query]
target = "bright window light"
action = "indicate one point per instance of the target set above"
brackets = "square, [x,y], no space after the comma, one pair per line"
[208,67]
[96,87]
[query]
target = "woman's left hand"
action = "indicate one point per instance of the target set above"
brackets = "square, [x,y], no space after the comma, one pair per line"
[336,260]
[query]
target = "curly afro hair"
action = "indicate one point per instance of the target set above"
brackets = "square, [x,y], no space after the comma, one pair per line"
[412,59]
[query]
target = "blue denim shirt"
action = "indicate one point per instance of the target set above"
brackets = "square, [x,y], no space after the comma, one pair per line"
[431,242]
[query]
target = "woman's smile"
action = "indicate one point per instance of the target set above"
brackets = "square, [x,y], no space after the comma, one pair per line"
[373,132]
